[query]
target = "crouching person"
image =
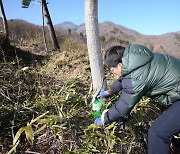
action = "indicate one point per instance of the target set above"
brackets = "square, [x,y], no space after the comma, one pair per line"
[145,73]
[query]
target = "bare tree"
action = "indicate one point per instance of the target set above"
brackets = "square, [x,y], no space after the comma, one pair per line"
[5,25]
[43,29]
[49,23]
[93,43]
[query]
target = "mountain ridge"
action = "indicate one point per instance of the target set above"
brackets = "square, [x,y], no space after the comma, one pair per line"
[168,43]
[114,34]
[65,23]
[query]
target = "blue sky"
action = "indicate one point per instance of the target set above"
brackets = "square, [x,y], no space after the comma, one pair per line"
[149,17]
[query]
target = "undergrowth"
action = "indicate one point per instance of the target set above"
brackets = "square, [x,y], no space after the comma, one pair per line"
[42,113]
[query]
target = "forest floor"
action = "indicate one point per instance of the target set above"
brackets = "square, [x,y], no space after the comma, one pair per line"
[46,105]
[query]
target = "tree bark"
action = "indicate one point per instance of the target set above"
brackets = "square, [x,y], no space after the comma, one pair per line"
[93,43]
[43,29]
[50,25]
[5,25]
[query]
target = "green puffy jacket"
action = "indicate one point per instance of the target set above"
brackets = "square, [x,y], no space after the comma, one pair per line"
[145,73]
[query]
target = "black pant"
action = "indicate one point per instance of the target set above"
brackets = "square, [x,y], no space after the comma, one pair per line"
[159,134]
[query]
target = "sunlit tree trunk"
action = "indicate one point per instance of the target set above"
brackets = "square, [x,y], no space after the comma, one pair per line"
[43,29]
[93,43]
[5,25]
[50,25]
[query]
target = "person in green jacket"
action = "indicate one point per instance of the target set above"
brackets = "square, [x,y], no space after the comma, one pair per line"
[145,73]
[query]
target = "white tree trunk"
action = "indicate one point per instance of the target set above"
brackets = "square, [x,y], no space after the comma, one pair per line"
[93,43]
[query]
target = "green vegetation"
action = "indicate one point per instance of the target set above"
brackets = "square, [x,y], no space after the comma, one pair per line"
[46,107]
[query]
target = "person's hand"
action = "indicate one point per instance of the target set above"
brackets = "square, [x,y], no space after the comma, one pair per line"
[103,93]
[98,121]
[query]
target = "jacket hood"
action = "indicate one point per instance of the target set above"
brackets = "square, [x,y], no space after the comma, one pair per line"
[134,57]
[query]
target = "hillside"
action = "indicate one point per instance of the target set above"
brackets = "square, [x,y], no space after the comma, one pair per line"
[46,97]
[110,34]
[46,103]
[116,34]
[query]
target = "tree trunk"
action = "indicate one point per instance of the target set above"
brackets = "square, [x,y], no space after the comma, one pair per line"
[5,25]
[50,25]
[43,29]
[93,43]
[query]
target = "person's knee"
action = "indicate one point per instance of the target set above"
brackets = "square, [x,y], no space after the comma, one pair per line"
[158,134]
[151,131]
[163,135]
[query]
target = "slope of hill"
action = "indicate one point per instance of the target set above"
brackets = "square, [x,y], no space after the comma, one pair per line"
[110,34]
[49,101]
[116,34]
[67,25]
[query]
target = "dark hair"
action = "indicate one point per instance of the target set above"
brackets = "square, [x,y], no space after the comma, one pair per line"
[113,56]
